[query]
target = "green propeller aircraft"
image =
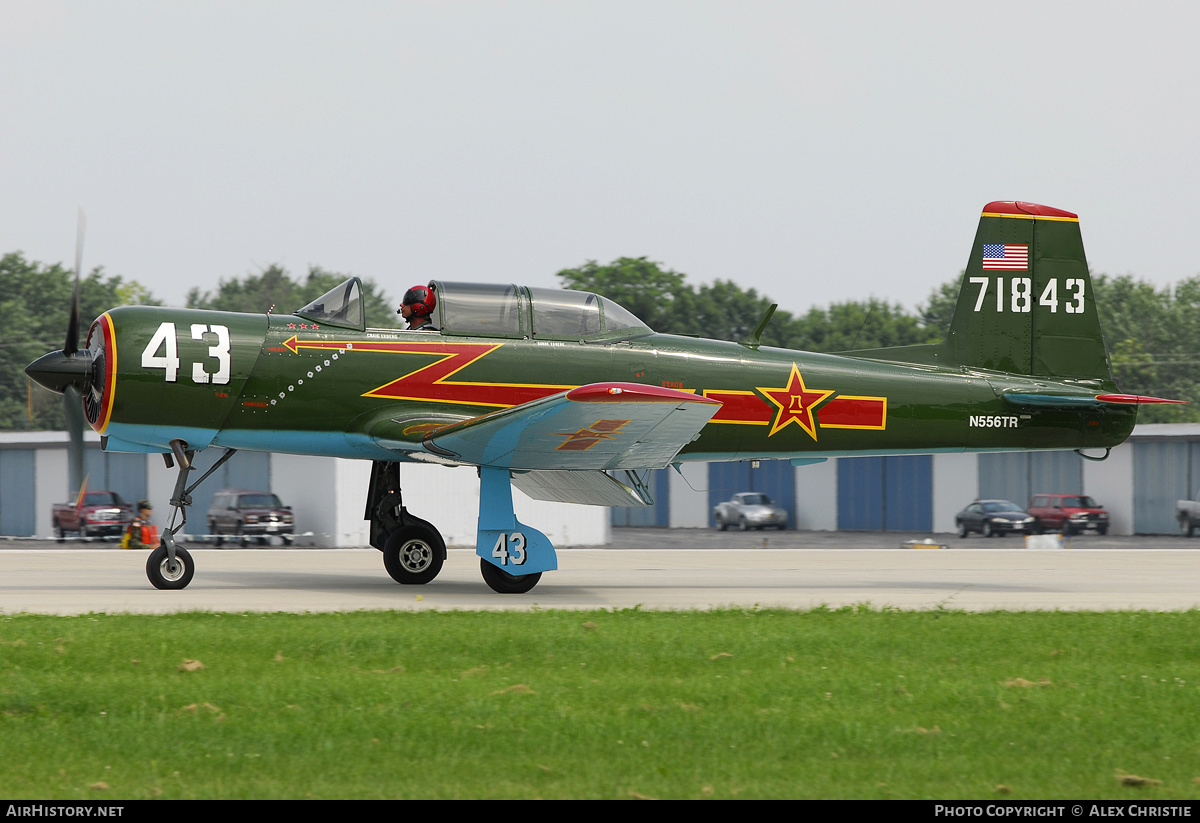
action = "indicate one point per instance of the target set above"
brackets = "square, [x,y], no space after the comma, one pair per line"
[553,391]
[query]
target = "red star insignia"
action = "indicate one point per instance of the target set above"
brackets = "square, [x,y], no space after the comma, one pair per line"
[795,403]
[291,325]
[584,439]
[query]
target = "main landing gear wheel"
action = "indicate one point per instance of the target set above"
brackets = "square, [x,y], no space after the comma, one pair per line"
[503,582]
[414,554]
[164,574]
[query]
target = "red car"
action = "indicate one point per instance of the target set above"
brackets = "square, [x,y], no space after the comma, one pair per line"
[1068,513]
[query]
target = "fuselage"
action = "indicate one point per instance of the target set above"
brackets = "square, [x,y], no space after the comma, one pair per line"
[284,383]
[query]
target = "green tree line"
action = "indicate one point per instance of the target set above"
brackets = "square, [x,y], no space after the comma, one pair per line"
[274,289]
[666,302]
[1153,334]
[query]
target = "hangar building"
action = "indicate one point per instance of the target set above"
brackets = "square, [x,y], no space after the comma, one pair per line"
[1138,484]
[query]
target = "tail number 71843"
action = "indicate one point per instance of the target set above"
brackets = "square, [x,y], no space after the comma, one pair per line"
[1020,294]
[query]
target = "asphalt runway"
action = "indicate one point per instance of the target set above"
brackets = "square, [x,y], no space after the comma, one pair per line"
[643,568]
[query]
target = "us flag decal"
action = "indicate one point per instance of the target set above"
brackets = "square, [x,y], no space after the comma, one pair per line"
[1005,257]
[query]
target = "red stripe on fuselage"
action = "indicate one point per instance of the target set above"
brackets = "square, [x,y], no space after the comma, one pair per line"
[848,412]
[432,382]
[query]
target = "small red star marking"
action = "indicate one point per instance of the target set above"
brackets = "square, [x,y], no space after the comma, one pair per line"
[585,438]
[795,403]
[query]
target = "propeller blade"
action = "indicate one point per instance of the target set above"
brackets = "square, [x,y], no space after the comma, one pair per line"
[73,409]
[72,343]
[60,369]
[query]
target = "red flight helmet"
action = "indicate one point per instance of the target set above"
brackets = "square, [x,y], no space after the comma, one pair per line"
[421,299]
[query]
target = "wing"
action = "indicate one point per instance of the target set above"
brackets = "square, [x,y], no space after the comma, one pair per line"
[598,426]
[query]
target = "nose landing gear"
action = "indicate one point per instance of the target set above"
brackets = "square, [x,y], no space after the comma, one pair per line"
[170,566]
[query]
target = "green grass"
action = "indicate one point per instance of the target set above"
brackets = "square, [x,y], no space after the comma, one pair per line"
[852,703]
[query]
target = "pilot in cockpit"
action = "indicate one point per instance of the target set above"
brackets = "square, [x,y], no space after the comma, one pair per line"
[418,304]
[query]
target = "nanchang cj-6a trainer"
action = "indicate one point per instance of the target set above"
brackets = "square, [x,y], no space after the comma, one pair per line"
[556,391]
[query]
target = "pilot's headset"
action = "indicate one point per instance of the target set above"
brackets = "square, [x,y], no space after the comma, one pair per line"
[421,299]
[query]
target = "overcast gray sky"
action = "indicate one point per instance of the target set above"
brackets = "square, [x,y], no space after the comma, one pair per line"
[815,151]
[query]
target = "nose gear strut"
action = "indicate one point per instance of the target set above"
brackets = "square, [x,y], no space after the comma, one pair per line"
[170,566]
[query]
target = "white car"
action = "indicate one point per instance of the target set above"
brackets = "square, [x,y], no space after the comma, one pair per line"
[749,510]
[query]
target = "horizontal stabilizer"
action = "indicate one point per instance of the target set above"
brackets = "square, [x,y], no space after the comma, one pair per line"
[597,426]
[592,488]
[1044,400]
[1050,400]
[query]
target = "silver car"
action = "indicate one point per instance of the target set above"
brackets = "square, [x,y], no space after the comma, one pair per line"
[749,510]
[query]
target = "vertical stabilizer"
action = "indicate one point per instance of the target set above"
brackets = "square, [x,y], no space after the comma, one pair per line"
[1026,304]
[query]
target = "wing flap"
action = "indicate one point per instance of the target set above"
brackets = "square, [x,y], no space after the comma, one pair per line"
[597,426]
[592,488]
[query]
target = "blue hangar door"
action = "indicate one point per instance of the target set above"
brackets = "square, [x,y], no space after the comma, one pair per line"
[885,493]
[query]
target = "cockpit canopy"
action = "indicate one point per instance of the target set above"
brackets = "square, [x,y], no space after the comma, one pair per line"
[519,311]
[491,310]
[340,306]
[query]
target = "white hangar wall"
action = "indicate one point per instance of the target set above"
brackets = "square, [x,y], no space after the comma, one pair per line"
[816,496]
[954,477]
[1111,483]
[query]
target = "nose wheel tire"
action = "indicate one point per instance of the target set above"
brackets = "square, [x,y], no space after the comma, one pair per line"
[164,574]
[501,581]
[414,554]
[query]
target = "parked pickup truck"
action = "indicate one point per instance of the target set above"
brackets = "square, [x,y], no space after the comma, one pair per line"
[244,513]
[97,514]
[1068,513]
[1187,512]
